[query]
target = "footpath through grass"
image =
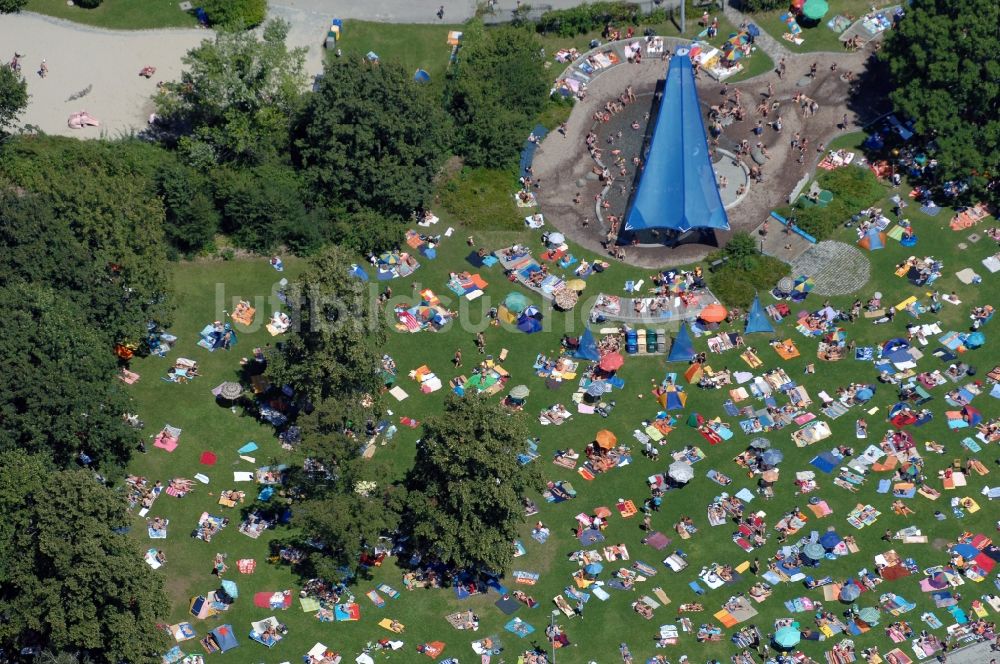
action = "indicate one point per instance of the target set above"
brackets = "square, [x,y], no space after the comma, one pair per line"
[120,14]
[209,427]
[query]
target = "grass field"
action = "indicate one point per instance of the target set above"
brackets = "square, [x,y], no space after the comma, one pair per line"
[818,37]
[120,14]
[204,289]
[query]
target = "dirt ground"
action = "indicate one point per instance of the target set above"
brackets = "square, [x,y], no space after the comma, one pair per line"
[563,162]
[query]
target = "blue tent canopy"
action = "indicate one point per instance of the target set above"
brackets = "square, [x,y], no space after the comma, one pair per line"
[757,320]
[683,348]
[421,76]
[588,347]
[677,190]
[224,637]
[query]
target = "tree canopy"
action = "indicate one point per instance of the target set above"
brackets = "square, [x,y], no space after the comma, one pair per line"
[64,400]
[13,92]
[234,99]
[370,137]
[466,486]
[12,6]
[334,349]
[99,215]
[68,578]
[946,71]
[495,91]
[352,504]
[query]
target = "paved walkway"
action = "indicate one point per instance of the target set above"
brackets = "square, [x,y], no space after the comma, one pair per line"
[837,268]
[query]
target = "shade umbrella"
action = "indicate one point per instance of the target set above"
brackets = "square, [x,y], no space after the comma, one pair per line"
[785,284]
[230,588]
[566,298]
[760,443]
[864,394]
[870,615]
[363,658]
[606,439]
[612,362]
[815,9]
[975,340]
[598,388]
[516,302]
[593,569]
[713,313]
[770,475]
[389,258]
[576,284]
[878,295]
[787,637]
[814,551]
[850,592]
[680,471]
[556,238]
[230,390]
[520,392]
[772,457]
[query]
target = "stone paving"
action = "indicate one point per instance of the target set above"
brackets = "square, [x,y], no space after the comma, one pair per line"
[837,268]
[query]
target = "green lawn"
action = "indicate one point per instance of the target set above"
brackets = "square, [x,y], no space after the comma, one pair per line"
[818,37]
[210,427]
[415,46]
[120,14]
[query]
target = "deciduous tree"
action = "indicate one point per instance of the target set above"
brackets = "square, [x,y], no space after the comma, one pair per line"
[13,94]
[466,487]
[69,578]
[235,97]
[335,348]
[370,137]
[945,64]
[494,92]
[61,398]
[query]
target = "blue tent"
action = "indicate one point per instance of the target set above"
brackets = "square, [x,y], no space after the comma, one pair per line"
[677,191]
[422,76]
[757,320]
[530,320]
[587,349]
[683,348]
[359,273]
[224,637]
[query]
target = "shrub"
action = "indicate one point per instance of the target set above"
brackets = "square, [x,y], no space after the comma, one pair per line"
[368,232]
[587,18]
[261,207]
[763,5]
[235,13]
[746,273]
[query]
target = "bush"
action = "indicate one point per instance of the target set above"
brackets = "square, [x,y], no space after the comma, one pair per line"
[88,4]
[746,273]
[191,218]
[367,232]
[236,14]
[587,18]
[262,208]
[763,5]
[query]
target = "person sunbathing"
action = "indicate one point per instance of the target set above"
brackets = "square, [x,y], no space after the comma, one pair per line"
[643,610]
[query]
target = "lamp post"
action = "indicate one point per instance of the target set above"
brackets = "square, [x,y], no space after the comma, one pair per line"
[552,630]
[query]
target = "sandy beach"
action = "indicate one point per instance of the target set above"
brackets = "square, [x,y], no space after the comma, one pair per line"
[107,61]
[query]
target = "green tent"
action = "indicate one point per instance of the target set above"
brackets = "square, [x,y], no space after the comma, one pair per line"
[815,9]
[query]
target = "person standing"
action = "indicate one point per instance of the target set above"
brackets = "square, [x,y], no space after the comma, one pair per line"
[457,360]
[755,567]
[43,69]
[440,13]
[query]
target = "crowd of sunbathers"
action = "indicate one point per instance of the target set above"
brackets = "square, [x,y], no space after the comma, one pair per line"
[140,492]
